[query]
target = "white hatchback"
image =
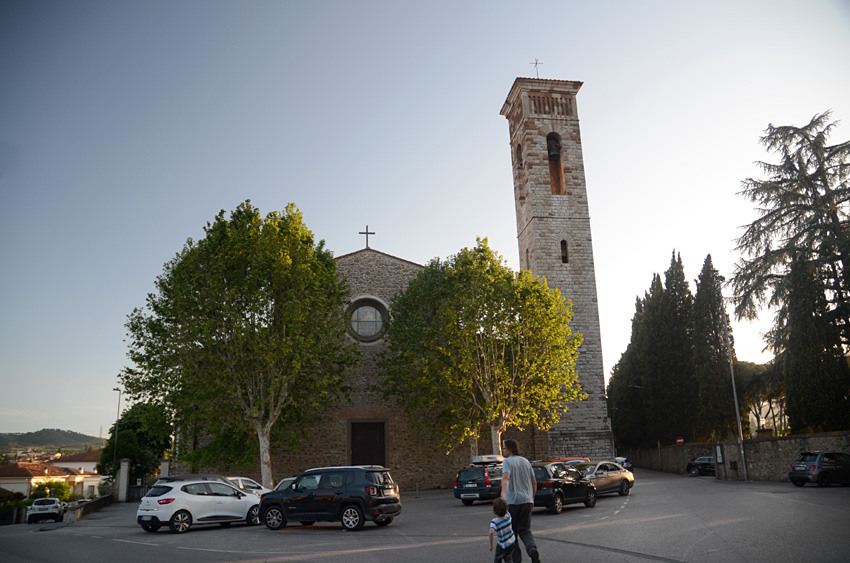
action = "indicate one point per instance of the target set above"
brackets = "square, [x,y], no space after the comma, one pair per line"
[182,504]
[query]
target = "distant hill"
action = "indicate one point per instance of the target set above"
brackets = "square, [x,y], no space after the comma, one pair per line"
[49,439]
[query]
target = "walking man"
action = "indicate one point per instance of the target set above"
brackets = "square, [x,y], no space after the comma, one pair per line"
[518,489]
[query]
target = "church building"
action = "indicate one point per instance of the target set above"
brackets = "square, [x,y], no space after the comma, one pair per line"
[553,231]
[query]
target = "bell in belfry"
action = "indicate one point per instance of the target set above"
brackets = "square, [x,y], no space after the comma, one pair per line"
[554,148]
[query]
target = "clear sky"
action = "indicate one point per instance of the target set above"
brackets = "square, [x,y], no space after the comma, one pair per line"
[126,126]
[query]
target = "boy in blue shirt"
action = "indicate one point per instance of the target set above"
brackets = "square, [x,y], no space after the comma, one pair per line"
[500,528]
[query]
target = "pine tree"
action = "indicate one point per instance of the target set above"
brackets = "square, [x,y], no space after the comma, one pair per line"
[817,377]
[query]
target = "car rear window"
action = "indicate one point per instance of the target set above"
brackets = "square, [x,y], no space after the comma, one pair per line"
[158,490]
[45,501]
[541,474]
[379,478]
[474,474]
[806,456]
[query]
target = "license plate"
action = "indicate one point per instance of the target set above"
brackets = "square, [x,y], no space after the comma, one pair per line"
[146,518]
[470,485]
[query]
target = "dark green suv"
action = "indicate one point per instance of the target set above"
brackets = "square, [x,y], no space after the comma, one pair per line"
[349,494]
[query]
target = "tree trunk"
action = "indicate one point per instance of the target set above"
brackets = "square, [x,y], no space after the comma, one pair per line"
[473,447]
[496,438]
[264,439]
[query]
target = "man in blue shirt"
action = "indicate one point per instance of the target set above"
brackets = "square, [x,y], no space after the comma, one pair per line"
[518,489]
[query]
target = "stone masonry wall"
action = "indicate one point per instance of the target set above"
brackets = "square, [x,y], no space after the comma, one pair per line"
[544,220]
[768,459]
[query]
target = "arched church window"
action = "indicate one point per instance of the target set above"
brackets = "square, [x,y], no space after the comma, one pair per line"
[366,319]
[556,164]
[565,257]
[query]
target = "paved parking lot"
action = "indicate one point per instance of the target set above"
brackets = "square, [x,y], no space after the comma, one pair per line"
[665,518]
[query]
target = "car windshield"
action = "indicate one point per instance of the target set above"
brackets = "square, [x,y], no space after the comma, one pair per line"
[586,468]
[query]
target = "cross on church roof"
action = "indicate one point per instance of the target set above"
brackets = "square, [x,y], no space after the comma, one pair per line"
[367,233]
[536,63]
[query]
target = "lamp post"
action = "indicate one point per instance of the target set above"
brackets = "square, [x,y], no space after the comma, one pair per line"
[720,280]
[115,441]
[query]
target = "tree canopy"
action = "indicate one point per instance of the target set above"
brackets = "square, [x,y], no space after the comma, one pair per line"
[474,344]
[673,379]
[144,435]
[796,255]
[245,332]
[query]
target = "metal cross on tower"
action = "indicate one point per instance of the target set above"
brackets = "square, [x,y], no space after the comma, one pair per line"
[367,233]
[536,63]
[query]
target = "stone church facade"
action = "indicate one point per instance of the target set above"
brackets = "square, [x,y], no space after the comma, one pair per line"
[554,239]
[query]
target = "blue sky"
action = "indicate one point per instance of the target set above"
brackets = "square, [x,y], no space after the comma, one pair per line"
[126,126]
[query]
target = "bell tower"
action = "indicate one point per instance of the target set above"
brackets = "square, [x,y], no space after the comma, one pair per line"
[553,231]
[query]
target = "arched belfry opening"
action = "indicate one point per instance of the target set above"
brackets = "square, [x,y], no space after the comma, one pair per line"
[556,164]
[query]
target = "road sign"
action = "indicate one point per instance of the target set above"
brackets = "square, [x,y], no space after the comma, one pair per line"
[680,440]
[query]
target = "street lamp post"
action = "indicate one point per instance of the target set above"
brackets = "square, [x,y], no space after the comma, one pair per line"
[115,441]
[721,279]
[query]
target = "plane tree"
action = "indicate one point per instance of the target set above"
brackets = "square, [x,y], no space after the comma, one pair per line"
[473,345]
[244,332]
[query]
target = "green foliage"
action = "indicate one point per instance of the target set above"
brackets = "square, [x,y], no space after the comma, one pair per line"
[817,377]
[473,344]
[673,379]
[803,207]
[246,332]
[716,406]
[60,489]
[144,436]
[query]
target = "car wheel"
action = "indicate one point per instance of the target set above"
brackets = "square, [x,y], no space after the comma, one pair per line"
[150,527]
[824,480]
[253,518]
[352,518]
[590,499]
[467,501]
[180,522]
[557,505]
[624,488]
[798,482]
[384,522]
[694,472]
[307,522]
[274,518]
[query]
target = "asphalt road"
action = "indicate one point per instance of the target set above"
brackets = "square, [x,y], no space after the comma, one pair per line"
[667,518]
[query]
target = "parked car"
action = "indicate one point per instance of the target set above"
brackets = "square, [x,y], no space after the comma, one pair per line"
[823,468]
[192,477]
[570,460]
[480,480]
[625,463]
[700,466]
[350,494]
[607,477]
[559,484]
[247,485]
[44,508]
[183,504]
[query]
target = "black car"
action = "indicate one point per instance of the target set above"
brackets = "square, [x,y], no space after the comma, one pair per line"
[823,468]
[559,484]
[700,466]
[480,480]
[349,494]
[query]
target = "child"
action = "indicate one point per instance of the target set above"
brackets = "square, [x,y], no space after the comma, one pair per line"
[500,528]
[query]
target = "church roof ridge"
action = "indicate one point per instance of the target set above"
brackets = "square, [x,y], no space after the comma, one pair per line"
[369,249]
